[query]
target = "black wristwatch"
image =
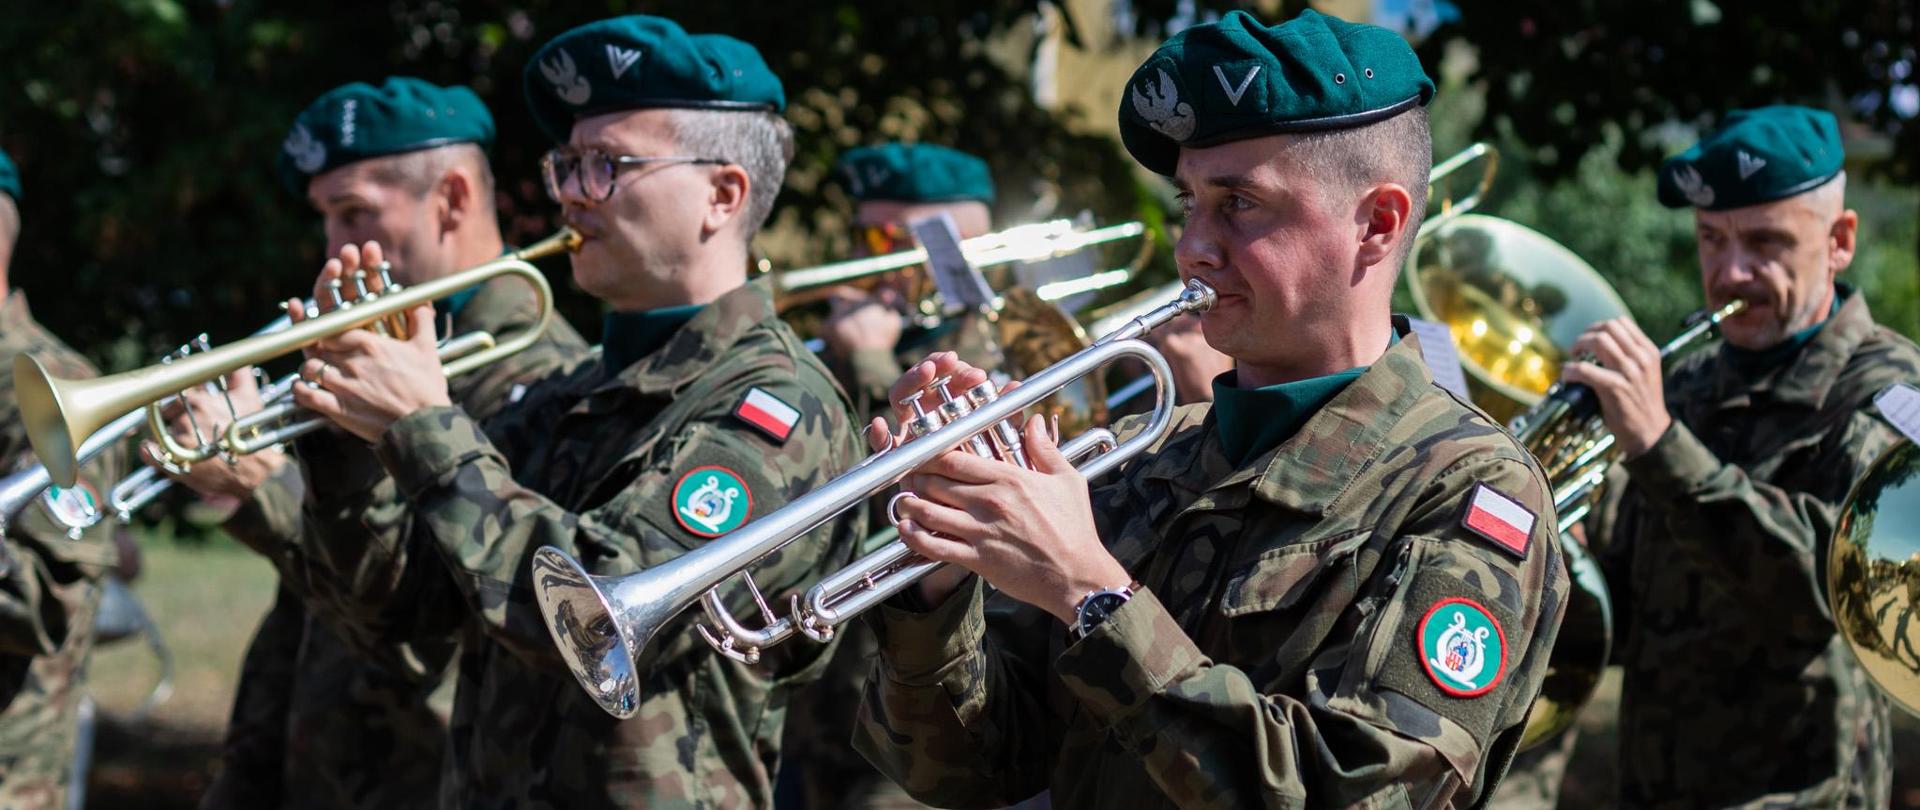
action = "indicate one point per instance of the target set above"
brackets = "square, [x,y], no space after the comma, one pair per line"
[1096,606]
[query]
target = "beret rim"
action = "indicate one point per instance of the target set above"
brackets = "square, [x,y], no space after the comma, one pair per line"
[1324,124]
[1677,202]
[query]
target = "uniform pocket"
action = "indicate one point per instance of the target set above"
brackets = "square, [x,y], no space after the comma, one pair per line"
[1281,578]
[1281,607]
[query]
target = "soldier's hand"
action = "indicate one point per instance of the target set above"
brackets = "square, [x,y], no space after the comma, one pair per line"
[1627,378]
[365,382]
[201,417]
[1195,362]
[859,321]
[1028,532]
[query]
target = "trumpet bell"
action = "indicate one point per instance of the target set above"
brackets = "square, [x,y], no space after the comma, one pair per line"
[52,438]
[591,631]
[1513,299]
[1873,574]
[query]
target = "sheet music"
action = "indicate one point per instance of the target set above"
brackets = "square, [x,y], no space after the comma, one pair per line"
[960,284]
[1900,404]
[1443,358]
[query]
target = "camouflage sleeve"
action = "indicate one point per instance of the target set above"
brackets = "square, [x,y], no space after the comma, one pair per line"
[952,712]
[252,759]
[922,736]
[269,520]
[1762,539]
[485,525]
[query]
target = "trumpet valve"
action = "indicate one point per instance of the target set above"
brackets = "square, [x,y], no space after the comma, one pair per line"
[922,422]
[809,624]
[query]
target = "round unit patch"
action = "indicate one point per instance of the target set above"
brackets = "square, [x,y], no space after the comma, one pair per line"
[73,507]
[711,501]
[1462,647]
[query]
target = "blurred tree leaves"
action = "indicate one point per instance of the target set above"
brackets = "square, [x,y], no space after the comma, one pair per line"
[1560,75]
[146,131]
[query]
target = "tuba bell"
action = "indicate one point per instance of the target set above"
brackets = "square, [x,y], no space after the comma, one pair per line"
[1872,574]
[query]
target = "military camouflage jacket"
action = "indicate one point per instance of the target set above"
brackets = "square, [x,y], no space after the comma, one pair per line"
[614,467]
[1737,690]
[48,598]
[1316,628]
[316,721]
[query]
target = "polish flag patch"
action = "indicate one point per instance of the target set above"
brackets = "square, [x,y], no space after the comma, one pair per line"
[1503,520]
[770,414]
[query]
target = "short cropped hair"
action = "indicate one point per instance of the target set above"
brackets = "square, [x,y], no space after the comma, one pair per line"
[760,142]
[419,171]
[1397,150]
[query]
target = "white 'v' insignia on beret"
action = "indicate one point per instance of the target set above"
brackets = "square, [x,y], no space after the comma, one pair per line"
[566,79]
[1749,164]
[619,59]
[1234,93]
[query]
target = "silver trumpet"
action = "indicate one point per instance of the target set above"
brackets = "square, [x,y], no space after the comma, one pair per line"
[602,623]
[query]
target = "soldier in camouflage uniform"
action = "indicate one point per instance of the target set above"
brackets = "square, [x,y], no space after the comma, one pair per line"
[51,589]
[1337,586]
[892,186]
[1737,691]
[701,412]
[317,721]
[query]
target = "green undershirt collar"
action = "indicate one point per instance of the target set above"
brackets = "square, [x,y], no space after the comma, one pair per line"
[1251,421]
[628,336]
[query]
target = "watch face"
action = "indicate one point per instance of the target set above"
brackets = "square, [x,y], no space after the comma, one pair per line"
[1098,607]
[1103,605]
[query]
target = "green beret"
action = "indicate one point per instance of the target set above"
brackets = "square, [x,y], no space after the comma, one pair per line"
[915,173]
[640,62]
[358,121]
[1237,79]
[1756,156]
[9,176]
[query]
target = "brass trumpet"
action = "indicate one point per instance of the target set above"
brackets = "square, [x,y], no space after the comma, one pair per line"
[59,414]
[601,623]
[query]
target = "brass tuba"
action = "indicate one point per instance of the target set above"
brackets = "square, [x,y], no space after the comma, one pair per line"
[1513,298]
[1514,301]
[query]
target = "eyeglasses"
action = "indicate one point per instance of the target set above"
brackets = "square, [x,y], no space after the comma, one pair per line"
[880,240]
[596,170]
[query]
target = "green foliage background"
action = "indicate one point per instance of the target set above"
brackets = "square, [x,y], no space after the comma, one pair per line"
[146,129]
